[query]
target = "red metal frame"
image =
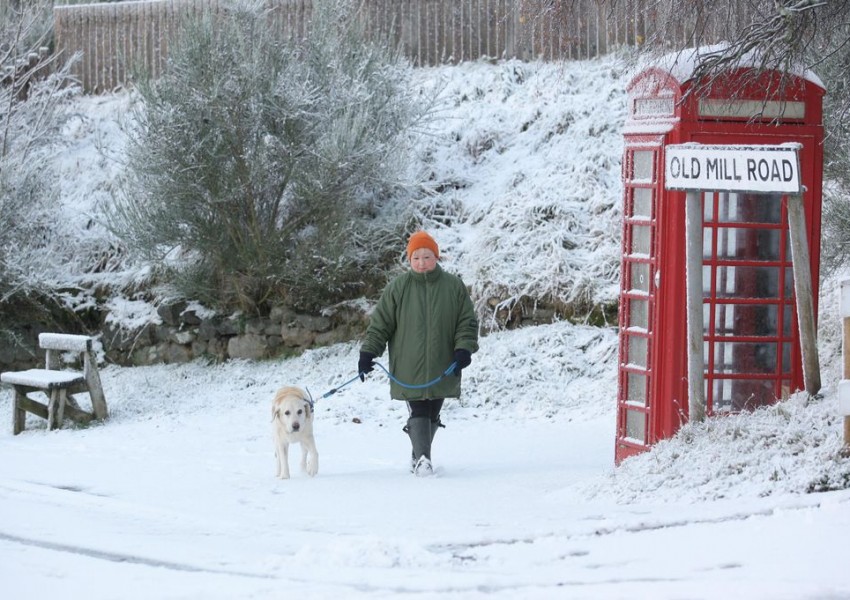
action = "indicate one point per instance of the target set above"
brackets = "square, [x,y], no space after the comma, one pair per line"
[749,301]
[634,292]
[659,337]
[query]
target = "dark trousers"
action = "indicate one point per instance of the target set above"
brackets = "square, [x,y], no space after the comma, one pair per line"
[430,408]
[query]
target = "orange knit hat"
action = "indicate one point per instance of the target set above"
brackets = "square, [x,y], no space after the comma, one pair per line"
[420,239]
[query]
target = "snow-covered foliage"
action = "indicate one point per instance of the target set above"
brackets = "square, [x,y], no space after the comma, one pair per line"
[522,173]
[262,168]
[791,447]
[527,164]
[33,86]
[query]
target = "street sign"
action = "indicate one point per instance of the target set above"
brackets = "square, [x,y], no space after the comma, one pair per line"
[759,169]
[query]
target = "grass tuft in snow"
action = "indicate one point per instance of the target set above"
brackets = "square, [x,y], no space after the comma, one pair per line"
[790,447]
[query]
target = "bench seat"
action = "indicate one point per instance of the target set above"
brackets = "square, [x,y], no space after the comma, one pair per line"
[45,379]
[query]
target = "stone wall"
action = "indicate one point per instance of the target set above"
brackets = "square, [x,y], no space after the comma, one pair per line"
[183,336]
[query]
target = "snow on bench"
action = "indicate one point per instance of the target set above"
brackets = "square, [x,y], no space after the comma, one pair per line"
[59,385]
[65,341]
[46,379]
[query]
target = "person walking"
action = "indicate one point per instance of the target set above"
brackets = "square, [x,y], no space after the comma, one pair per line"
[426,319]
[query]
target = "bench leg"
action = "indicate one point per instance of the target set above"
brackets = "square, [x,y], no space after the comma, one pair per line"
[19,415]
[53,399]
[60,411]
[56,409]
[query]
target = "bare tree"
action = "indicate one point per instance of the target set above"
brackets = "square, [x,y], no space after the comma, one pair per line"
[788,36]
[782,35]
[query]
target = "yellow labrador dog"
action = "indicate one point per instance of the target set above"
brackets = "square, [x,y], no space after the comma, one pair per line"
[292,421]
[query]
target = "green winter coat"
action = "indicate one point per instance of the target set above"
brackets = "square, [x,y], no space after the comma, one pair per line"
[423,318]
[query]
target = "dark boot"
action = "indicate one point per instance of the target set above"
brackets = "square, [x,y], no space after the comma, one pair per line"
[435,425]
[419,430]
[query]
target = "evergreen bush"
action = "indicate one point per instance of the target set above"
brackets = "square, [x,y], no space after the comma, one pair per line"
[264,169]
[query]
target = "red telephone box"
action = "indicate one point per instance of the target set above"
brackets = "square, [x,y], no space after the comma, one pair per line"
[752,353]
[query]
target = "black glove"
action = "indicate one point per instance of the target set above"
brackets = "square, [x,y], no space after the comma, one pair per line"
[365,364]
[463,359]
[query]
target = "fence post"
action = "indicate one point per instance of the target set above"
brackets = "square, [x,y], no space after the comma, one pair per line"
[804,292]
[115,38]
[693,277]
[844,385]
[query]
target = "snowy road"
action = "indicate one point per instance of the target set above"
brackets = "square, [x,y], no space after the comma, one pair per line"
[162,510]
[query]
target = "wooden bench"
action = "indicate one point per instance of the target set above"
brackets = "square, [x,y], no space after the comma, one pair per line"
[60,386]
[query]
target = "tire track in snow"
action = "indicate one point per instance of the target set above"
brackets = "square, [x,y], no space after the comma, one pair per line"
[805,503]
[126,558]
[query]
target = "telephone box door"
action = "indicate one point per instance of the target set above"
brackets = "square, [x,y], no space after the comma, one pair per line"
[751,340]
[638,296]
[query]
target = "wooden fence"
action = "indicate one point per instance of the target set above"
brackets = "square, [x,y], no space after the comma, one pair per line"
[113,38]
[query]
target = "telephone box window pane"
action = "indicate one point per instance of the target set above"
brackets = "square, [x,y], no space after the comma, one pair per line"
[748,244]
[721,395]
[636,425]
[708,207]
[639,313]
[640,277]
[786,358]
[641,236]
[747,282]
[745,357]
[749,208]
[637,388]
[637,351]
[642,202]
[752,109]
[706,280]
[789,282]
[643,165]
[654,107]
[746,319]
[736,395]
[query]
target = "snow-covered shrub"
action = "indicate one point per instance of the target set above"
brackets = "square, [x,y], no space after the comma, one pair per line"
[836,228]
[831,66]
[263,168]
[793,446]
[33,254]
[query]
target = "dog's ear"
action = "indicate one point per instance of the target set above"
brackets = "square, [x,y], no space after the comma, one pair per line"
[307,408]
[275,413]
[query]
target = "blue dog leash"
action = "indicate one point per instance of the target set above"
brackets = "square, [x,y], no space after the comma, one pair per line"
[409,386]
[446,373]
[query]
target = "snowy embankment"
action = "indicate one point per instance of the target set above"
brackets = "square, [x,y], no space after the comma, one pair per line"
[527,158]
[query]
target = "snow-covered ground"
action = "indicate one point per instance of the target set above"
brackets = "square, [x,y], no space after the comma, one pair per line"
[175,496]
